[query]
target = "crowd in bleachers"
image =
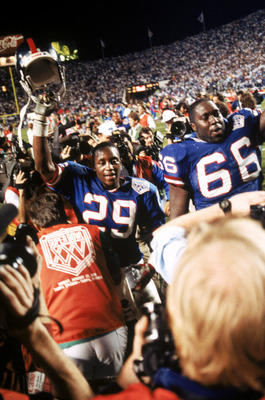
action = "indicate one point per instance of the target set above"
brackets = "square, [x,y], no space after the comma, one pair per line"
[227,57]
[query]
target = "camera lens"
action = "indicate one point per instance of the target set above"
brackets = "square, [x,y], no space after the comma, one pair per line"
[15,254]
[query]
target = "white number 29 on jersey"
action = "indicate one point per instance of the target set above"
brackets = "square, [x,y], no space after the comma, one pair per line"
[127,221]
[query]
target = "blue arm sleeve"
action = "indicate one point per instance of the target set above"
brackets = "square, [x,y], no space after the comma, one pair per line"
[159,177]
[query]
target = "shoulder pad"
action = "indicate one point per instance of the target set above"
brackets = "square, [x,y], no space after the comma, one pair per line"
[176,150]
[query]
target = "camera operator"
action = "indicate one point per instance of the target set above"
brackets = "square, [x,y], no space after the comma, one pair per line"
[177,125]
[151,142]
[21,306]
[218,337]
[24,183]
[71,143]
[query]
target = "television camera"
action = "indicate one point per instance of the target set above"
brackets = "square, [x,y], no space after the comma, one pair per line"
[159,350]
[179,128]
[124,150]
[64,136]
[12,160]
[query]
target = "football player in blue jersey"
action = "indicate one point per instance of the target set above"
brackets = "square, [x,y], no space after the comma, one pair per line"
[217,161]
[102,197]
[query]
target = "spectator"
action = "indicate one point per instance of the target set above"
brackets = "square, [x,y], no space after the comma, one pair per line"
[145,118]
[135,127]
[116,123]
[218,97]
[78,260]
[183,107]
[119,122]
[236,104]
[224,110]
[101,83]
[248,101]
[258,97]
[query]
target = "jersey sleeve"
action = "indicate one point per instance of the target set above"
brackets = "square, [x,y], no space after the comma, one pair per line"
[67,178]
[249,123]
[173,162]
[159,178]
[151,215]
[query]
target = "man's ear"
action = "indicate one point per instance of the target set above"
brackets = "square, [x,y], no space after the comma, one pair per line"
[193,126]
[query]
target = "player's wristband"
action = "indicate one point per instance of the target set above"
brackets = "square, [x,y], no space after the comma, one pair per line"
[40,126]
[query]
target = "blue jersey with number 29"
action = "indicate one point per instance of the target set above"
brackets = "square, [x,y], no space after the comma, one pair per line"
[117,212]
[214,171]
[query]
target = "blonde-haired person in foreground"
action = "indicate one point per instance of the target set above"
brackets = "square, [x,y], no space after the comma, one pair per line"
[216,312]
[216,306]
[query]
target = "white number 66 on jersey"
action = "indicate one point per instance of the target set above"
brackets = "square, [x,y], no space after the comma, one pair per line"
[223,175]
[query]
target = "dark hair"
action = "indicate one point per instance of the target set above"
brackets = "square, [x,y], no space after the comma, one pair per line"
[145,129]
[102,146]
[125,135]
[182,104]
[224,110]
[248,100]
[134,115]
[219,96]
[46,210]
[193,106]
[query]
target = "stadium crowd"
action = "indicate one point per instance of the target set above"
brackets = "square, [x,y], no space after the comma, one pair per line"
[116,218]
[226,58]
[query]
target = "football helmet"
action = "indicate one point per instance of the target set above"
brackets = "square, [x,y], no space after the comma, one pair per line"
[40,70]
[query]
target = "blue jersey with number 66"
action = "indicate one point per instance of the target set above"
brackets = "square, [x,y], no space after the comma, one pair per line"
[214,171]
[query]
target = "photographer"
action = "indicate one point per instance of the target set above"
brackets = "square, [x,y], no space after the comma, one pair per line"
[177,125]
[151,142]
[135,127]
[24,183]
[20,323]
[70,142]
[218,336]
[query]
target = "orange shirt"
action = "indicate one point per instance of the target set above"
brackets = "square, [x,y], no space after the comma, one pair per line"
[77,286]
